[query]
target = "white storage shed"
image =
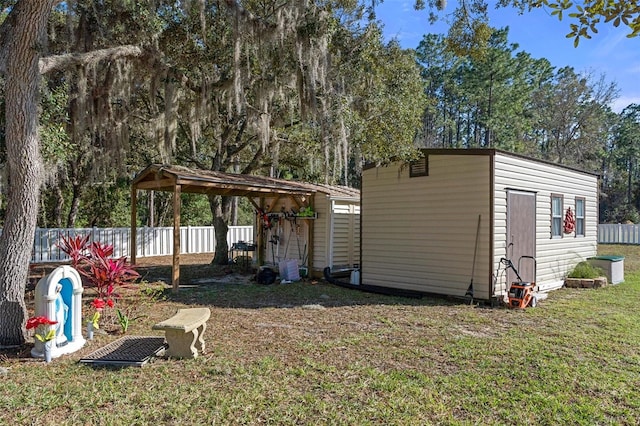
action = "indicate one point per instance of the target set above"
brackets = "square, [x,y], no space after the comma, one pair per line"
[447,220]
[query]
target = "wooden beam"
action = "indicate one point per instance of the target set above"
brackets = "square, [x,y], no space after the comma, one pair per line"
[257,207]
[133,244]
[175,280]
[221,187]
[300,202]
[273,203]
[166,184]
[262,203]
[295,201]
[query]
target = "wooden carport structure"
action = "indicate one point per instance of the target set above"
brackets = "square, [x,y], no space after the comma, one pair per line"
[178,180]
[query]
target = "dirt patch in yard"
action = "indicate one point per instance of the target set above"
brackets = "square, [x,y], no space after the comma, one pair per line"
[194,269]
[158,268]
[185,259]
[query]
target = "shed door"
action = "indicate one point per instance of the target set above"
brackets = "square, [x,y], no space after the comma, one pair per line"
[521,233]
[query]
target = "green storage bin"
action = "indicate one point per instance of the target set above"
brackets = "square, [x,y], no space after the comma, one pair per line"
[612,265]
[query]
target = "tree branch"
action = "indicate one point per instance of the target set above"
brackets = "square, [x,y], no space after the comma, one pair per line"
[251,19]
[60,62]
[254,163]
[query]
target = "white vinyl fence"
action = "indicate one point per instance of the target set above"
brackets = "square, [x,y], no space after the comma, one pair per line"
[150,241]
[201,239]
[618,234]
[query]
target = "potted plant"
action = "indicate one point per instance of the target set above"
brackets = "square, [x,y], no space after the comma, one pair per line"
[46,334]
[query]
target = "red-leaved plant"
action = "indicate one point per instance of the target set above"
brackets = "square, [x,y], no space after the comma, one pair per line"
[98,268]
[106,273]
[100,250]
[75,247]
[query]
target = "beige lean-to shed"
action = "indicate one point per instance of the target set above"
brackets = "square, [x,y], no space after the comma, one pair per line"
[421,222]
[330,237]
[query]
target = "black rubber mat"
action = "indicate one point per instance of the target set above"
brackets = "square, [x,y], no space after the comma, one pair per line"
[127,351]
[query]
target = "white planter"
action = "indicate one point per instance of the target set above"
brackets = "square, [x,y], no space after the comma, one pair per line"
[48,347]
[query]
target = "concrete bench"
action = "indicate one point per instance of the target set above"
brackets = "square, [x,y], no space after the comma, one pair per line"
[184,332]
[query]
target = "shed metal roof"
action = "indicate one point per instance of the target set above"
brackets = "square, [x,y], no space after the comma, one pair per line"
[490,152]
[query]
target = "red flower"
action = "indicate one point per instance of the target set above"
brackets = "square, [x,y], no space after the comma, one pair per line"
[37,321]
[99,304]
[110,303]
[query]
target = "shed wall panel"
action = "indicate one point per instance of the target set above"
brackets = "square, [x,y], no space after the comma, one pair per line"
[321,231]
[346,234]
[419,233]
[336,233]
[555,256]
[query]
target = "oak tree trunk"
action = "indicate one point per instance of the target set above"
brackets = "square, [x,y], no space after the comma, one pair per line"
[78,190]
[23,44]
[221,210]
[57,209]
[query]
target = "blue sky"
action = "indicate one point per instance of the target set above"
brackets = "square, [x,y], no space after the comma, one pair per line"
[609,52]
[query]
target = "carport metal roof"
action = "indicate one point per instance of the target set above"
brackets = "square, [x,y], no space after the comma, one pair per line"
[158,177]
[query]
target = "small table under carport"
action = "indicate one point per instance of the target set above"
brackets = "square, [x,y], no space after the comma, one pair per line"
[239,252]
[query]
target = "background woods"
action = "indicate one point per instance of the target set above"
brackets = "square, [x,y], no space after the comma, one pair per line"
[295,90]
[290,89]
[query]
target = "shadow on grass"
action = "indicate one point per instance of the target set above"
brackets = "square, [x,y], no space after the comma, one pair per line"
[245,293]
[235,287]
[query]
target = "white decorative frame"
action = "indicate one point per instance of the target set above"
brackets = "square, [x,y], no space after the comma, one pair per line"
[45,299]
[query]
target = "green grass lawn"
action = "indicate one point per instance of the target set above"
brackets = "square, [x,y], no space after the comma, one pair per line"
[318,354]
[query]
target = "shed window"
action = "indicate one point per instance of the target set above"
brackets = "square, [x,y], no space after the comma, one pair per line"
[556,216]
[419,167]
[580,217]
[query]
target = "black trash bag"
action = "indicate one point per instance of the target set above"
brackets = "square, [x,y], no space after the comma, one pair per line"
[266,276]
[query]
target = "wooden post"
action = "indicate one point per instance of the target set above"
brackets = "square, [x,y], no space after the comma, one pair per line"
[261,246]
[310,237]
[134,212]
[175,281]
